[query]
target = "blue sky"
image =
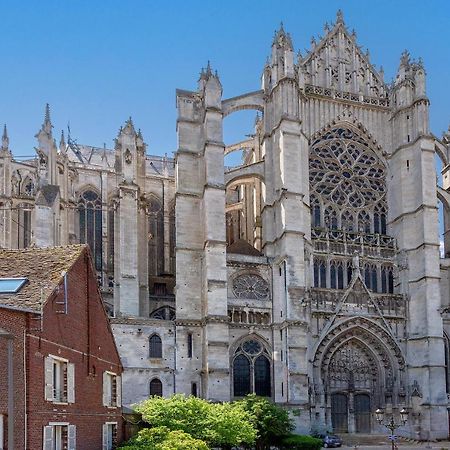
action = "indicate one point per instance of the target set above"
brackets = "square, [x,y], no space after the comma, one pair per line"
[97,62]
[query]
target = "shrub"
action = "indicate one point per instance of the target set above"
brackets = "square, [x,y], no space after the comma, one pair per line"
[161,438]
[300,442]
[218,424]
[271,421]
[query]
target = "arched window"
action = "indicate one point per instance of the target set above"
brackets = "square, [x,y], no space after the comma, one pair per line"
[330,219]
[340,278]
[90,224]
[164,313]
[251,370]
[156,387]
[379,220]
[111,231]
[241,376]
[447,349]
[172,232]
[315,213]
[28,187]
[155,237]
[333,277]
[155,346]
[24,225]
[347,221]
[363,222]
[320,274]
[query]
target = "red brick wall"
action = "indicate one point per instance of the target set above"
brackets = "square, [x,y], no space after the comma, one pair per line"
[82,336]
[13,322]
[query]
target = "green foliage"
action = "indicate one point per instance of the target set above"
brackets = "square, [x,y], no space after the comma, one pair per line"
[299,442]
[271,421]
[217,424]
[161,438]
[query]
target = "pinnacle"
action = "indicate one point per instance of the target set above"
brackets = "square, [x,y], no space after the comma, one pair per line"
[47,114]
[339,16]
[62,141]
[5,139]
[282,39]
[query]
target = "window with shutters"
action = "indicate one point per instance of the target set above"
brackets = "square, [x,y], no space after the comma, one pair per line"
[111,390]
[59,380]
[109,436]
[59,436]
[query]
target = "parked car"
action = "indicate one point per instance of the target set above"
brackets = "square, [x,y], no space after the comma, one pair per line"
[330,440]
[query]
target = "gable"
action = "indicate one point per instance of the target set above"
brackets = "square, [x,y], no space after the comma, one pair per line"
[337,62]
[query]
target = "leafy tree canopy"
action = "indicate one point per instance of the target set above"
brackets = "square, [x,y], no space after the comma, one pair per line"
[161,438]
[224,424]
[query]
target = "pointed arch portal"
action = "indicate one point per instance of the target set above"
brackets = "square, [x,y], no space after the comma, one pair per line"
[360,368]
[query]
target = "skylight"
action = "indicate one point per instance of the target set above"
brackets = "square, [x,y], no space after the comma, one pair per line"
[11,285]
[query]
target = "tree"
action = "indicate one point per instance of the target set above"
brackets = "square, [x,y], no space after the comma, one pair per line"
[271,421]
[161,438]
[221,424]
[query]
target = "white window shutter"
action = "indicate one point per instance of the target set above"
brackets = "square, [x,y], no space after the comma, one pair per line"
[119,391]
[49,437]
[71,383]
[105,437]
[48,379]
[71,437]
[106,389]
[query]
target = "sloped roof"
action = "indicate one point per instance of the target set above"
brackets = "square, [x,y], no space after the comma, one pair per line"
[47,195]
[242,247]
[43,267]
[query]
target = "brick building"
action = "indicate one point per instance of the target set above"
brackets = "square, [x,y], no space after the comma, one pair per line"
[64,391]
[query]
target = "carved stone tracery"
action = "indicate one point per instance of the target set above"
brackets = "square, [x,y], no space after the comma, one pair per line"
[251,286]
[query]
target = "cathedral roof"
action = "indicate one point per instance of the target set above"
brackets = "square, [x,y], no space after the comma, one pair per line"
[242,247]
[42,267]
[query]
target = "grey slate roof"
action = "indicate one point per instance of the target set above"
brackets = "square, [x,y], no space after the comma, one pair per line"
[44,269]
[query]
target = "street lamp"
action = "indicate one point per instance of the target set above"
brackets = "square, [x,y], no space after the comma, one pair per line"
[391,425]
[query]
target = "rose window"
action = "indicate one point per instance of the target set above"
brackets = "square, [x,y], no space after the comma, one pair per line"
[344,171]
[251,286]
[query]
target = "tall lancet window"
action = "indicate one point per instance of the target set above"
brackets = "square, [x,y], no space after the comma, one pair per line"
[155,215]
[251,370]
[90,224]
[23,223]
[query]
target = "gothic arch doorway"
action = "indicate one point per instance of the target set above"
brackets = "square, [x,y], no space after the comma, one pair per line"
[358,359]
[353,380]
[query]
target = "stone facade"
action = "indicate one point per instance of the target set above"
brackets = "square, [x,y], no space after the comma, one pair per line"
[311,273]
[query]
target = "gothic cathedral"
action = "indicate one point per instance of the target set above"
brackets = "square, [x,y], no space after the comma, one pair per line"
[310,274]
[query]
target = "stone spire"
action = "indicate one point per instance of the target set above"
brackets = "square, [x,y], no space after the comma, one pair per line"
[339,17]
[282,39]
[207,76]
[62,143]
[47,125]
[5,139]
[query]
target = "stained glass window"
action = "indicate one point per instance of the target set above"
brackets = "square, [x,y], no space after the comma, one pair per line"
[262,376]
[90,224]
[251,370]
[241,376]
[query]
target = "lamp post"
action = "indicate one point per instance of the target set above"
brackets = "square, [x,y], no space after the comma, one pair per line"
[391,424]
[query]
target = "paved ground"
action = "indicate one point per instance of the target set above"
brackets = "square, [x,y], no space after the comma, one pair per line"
[381,442]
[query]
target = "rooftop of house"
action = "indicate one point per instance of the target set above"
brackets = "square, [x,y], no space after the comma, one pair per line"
[44,270]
